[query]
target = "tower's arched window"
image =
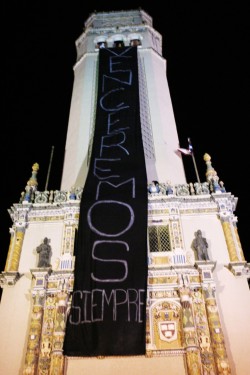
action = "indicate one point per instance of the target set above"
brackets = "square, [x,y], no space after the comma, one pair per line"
[118,43]
[135,42]
[102,44]
[135,39]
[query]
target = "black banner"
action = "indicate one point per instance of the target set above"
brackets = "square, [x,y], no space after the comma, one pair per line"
[108,310]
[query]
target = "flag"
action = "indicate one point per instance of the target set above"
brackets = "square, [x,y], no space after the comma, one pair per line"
[184,151]
[187,151]
[190,147]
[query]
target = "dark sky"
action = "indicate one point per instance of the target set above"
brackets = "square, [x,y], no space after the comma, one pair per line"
[206,45]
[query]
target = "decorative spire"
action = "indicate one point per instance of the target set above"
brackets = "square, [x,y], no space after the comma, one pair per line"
[33,180]
[211,175]
[31,186]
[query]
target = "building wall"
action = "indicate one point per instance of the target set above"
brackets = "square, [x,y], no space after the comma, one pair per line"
[81,122]
[24,284]
[167,165]
[34,235]
[15,311]
[174,365]
[233,297]
[56,220]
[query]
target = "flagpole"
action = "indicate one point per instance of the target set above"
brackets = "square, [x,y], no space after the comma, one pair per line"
[195,166]
[50,162]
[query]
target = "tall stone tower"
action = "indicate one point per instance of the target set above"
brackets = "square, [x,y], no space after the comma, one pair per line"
[95,280]
[159,132]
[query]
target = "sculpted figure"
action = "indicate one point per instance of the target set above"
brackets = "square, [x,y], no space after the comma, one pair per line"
[44,251]
[200,245]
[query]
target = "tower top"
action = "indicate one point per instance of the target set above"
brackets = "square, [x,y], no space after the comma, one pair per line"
[118,18]
[122,29]
[126,27]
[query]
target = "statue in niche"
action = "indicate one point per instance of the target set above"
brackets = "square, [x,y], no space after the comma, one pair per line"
[200,245]
[44,251]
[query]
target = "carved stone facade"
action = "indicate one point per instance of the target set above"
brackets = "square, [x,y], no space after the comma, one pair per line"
[182,313]
[197,310]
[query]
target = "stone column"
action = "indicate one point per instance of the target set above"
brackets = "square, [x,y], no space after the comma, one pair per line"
[189,333]
[175,230]
[217,337]
[202,331]
[51,359]
[229,237]
[19,215]
[69,237]
[31,357]
[57,358]
[47,334]
[16,253]
[237,240]
[8,260]
[40,277]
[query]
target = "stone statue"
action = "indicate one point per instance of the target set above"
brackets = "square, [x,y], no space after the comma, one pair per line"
[44,251]
[200,245]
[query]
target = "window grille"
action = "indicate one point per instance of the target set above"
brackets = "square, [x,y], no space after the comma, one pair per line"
[159,238]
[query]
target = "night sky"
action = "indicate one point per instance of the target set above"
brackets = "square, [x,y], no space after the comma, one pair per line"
[207,51]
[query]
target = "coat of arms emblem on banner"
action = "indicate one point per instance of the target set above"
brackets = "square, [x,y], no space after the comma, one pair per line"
[168,330]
